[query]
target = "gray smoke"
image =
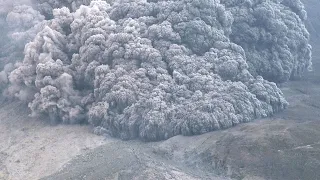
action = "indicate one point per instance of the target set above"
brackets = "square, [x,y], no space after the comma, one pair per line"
[274,37]
[153,69]
[19,24]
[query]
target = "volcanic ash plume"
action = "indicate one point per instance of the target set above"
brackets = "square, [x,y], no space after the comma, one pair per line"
[156,69]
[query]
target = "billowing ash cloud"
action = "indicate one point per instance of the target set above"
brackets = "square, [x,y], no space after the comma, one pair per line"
[273,35]
[19,24]
[46,6]
[148,69]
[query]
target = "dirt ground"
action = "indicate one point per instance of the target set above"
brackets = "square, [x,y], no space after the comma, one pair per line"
[31,149]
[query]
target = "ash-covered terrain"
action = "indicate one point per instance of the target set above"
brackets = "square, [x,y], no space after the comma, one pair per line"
[156,70]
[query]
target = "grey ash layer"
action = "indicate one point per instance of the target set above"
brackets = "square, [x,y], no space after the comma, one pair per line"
[153,69]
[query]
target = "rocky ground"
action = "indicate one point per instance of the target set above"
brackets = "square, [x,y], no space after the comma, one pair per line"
[284,147]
